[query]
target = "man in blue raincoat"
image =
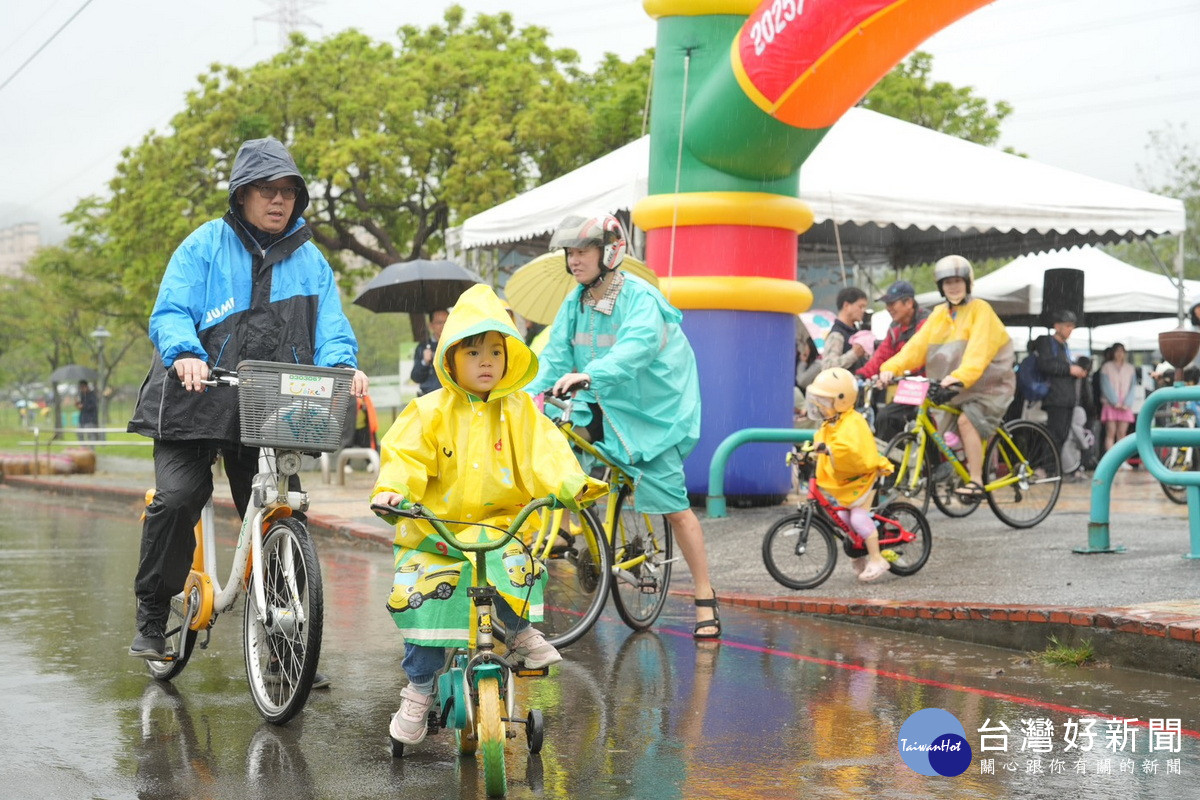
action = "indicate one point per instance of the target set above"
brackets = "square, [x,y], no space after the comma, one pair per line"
[619,335]
[250,285]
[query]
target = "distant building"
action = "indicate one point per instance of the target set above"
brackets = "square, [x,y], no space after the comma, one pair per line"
[17,245]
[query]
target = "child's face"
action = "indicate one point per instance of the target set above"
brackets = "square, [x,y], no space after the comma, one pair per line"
[479,367]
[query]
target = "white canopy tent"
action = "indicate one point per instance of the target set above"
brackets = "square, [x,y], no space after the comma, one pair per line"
[1113,291]
[897,193]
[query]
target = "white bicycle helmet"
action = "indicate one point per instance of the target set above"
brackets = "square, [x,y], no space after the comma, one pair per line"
[953,267]
[602,230]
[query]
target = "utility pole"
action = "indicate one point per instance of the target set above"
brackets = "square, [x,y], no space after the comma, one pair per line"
[289,16]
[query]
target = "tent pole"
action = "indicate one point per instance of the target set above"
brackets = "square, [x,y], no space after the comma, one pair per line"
[1179,275]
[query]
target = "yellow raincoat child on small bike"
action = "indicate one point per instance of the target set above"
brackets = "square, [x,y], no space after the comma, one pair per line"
[476,450]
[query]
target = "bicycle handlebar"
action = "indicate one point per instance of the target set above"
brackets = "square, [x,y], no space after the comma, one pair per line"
[417,511]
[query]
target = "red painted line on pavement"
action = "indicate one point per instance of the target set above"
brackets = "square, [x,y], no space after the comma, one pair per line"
[900,676]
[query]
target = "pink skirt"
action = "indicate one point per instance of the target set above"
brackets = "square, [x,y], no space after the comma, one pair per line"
[1113,414]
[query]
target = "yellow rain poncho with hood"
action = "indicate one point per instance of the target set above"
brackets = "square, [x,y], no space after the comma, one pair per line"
[476,460]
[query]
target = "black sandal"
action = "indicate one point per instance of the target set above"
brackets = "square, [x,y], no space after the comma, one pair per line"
[715,622]
[969,492]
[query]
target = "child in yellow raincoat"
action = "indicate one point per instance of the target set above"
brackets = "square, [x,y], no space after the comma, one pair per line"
[851,463]
[476,450]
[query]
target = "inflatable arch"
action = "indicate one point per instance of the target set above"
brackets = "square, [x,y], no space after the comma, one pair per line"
[743,92]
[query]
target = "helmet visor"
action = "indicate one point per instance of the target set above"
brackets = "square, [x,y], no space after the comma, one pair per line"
[577,232]
[818,407]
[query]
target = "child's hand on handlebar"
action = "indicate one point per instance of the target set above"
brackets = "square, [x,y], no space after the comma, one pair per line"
[386,504]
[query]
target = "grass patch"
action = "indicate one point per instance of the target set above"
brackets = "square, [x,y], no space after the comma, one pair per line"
[1058,653]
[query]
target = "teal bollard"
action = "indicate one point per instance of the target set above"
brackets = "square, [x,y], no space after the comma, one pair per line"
[1143,440]
[715,502]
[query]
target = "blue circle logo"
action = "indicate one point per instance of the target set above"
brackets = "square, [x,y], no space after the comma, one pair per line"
[933,742]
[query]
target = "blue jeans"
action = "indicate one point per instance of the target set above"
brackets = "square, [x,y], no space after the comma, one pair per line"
[422,662]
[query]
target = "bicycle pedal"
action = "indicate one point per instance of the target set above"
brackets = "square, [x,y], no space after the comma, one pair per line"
[528,672]
[648,587]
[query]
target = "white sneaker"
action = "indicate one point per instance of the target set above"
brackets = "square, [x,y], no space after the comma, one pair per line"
[411,722]
[858,564]
[531,647]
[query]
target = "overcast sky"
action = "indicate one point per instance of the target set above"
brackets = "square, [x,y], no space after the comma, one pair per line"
[1089,79]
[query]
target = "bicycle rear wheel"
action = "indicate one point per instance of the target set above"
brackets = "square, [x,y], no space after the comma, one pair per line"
[1176,459]
[910,556]
[180,640]
[800,550]
[906,481]
[283,638]
[580,569]
[642,549]
[1034,459]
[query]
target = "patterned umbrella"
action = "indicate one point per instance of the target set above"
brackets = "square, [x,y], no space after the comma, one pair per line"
[818,322]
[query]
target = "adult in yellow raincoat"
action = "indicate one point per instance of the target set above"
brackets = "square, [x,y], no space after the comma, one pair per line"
[476,450]
[963,343]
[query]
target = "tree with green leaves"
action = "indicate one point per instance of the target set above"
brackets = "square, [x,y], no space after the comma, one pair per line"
[397,142]
[907,93]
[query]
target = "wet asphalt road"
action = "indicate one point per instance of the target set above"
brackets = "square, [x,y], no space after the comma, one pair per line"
[785,707]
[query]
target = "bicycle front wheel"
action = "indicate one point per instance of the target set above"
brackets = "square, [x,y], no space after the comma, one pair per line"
[179,641]
[491,737]
[901,518]
[580,569]
[1033,462]
[642,549]
[800,550]
[283,636]
[906,481]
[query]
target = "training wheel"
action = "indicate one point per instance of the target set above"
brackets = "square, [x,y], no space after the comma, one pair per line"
[535,730]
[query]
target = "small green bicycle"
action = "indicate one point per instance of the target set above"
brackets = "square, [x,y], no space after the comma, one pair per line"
[1022,470]
[475,688]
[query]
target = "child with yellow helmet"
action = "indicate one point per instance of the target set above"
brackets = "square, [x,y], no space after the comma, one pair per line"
[852,463]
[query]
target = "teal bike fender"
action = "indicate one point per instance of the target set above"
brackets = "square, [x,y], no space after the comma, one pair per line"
[451,691]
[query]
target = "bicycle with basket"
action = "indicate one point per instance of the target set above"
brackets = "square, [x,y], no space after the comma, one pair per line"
[800,550]
[287,410]
[475,689]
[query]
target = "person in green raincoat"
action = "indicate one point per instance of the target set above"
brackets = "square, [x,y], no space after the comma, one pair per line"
[476,450]
[619,335]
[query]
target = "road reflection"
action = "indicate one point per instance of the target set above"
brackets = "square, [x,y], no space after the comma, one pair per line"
[785,707]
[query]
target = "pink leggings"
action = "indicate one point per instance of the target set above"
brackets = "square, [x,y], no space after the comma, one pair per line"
[860,521]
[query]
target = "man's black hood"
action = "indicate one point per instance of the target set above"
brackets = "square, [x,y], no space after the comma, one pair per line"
[265,160]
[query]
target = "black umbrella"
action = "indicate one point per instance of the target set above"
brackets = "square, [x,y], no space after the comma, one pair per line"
[417,287]
[73,373]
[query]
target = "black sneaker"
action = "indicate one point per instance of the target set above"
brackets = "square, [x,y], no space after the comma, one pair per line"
[150,645]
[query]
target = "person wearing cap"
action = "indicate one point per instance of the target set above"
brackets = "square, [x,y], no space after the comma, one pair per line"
[250,285]
[1062,373]
[907,319]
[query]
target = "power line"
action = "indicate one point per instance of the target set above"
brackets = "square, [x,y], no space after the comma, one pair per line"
[62,27]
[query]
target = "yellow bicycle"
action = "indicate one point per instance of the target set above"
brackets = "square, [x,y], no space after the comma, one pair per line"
[610,547]
[1022,470]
